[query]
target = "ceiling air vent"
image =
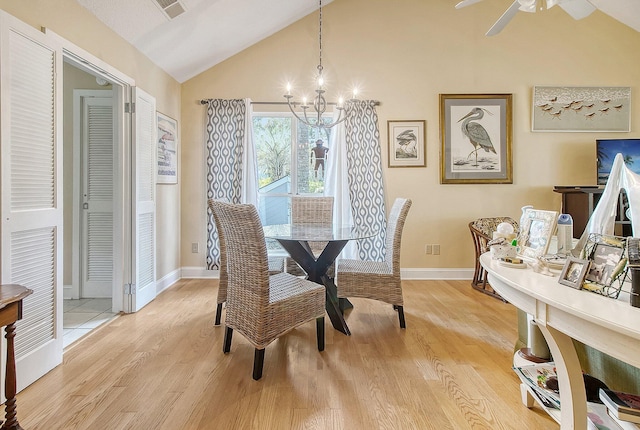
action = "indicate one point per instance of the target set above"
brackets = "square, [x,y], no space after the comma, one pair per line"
[172,8]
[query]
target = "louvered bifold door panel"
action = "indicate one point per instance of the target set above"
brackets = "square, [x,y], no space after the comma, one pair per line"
[31,209]
[33,265]
[98,159]
[145,187]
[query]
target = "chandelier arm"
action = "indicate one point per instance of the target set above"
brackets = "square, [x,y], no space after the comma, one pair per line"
[319,103]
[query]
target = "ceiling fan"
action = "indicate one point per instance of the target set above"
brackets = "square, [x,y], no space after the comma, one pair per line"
[578,9]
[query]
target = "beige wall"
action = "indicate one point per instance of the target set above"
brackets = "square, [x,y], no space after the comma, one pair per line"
[404,54]
[71,21]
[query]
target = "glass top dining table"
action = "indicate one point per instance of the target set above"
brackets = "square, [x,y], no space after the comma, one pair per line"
[295,238]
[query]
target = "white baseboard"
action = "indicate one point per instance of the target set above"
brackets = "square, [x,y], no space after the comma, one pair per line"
[167,281]
[417,274]
[199,273]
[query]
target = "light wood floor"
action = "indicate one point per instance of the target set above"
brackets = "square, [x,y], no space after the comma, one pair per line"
[163,368]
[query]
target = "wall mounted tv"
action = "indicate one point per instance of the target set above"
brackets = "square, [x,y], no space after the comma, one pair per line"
[606,150]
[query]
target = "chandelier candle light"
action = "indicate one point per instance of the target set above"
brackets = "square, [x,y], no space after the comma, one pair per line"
[319,102]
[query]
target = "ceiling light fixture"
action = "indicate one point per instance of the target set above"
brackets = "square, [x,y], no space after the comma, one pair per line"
[319,103]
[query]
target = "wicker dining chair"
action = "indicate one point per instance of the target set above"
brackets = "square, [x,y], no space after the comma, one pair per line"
[482,232]
[276,265]
[311,210]
[261,307]
[378,280]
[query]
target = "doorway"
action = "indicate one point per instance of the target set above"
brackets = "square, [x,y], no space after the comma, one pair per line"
[90,246]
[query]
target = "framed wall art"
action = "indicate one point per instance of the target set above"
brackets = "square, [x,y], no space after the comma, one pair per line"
[608,268]
[476,134]
[536,229]
[573,272]
[407,143]
[167,150]
[580,109]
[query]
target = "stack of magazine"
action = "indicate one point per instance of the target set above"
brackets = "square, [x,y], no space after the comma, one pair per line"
[543,381]
[622,406]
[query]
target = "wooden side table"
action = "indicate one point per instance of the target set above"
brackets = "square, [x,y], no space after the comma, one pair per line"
[11,296]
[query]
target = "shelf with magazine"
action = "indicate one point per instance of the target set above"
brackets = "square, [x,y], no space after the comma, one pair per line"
[539,384]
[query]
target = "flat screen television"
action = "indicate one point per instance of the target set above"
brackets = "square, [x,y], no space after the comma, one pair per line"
[606,150]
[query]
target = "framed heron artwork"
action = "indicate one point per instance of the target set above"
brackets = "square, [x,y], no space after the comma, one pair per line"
[476,133]
[407,143]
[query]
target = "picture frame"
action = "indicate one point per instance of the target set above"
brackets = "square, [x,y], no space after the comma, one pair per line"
[573,272]
[407,143]
[608,270]
[486,157]
[581,109]
[167,150]
[537,227]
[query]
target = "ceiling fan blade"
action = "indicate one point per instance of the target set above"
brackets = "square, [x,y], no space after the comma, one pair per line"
[528,5]
[504,19]
[465,3]
[578,9]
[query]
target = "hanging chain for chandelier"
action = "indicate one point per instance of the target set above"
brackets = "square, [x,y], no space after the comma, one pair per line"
[319,103]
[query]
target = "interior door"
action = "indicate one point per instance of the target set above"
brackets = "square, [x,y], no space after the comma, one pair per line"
[31,202]
[143,289]
[97,175]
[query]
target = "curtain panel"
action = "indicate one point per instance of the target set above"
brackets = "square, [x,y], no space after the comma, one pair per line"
[364,167]
[231,162]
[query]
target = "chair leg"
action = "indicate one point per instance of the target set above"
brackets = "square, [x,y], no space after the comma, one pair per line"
[218,314]
[228,334]
[320,333]
[401,317]
[258,362]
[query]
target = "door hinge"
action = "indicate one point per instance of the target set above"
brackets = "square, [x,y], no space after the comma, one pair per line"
[130,107]
[129,288]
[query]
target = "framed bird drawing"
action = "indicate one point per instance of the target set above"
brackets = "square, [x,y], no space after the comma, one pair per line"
[407,143]
[476,133]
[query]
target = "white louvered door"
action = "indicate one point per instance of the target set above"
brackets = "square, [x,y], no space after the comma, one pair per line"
[144,195]
[97,197]
[31,205]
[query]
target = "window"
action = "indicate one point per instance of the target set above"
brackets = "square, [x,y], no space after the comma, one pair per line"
[291,160]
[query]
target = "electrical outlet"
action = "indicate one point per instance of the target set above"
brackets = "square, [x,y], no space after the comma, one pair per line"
[436,249]
[428,249]
[195,247]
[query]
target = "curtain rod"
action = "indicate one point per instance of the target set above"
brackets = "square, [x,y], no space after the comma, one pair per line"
[205,101]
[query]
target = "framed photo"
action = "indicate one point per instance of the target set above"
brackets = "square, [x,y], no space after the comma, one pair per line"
[476,134]
[580,109]
[407,143]
[608,264]
[167,150]
[536,230]
[573,272]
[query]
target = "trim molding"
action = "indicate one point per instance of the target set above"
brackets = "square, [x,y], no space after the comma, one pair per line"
[167,281]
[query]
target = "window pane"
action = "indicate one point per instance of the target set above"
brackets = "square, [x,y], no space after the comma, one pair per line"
[313,145]
[272,136]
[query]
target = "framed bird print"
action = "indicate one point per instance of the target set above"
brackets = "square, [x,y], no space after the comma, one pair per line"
[476,133]
[407,143]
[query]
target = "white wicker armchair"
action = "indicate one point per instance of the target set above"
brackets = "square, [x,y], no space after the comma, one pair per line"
[378,280]
[259,306]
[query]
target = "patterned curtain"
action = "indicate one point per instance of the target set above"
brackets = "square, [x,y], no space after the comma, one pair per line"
[231,165]
[366,189]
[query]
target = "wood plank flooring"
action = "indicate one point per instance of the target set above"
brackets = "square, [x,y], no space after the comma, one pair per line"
[163,368]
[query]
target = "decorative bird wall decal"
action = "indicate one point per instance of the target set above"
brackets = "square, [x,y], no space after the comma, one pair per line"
[476,133]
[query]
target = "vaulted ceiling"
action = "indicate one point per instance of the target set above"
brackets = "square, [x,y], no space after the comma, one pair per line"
[205,32]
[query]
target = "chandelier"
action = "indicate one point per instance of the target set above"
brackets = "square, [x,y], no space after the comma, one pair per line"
[319,103]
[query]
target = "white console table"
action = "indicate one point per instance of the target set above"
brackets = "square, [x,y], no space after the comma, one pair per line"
[563,313]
